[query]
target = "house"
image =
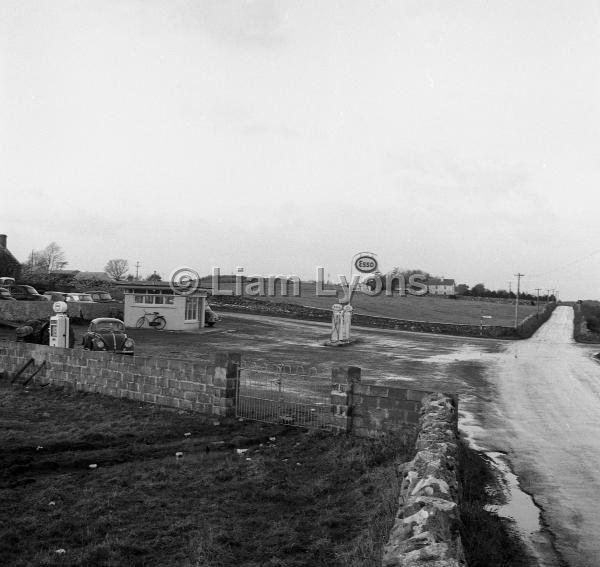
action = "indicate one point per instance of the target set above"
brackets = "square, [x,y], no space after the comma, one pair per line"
[441,286]
[9,265]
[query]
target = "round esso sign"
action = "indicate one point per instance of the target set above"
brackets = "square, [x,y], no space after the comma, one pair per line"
[365,264]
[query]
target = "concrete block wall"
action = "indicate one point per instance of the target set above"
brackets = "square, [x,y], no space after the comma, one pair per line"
[182,384]
[380,409]
[370,410]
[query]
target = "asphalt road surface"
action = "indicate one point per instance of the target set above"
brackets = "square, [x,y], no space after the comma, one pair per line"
[546,417]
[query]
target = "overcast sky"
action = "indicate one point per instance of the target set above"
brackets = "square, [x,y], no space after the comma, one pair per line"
[459,137]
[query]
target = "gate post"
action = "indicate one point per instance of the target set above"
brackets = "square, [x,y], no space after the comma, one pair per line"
[226,377]
[342,394]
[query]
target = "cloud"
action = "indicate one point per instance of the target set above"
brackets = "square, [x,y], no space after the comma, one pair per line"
[257,23]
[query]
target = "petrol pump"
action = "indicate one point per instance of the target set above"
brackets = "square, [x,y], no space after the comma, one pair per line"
[59,325]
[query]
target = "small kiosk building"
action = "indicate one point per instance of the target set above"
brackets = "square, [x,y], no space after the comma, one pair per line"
[182,311]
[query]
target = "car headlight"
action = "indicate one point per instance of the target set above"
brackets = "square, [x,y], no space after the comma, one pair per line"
[99,343]
[128,343]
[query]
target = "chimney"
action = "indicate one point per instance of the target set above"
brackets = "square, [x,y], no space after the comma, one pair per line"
[2,240]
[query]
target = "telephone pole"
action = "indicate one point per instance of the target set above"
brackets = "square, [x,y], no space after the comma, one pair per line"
[537,302]
[518,276]
[137,270]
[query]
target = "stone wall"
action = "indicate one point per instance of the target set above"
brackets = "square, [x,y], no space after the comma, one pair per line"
[251,305]
[19,311]
[182,384]
[426,530]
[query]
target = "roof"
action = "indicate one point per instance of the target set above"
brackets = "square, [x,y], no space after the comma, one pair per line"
[162,286]
[439,281]
[103,276]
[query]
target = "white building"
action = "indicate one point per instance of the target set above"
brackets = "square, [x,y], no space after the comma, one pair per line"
[181,312]
[441,286]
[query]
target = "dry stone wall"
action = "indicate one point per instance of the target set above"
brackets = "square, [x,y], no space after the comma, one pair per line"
[426,530]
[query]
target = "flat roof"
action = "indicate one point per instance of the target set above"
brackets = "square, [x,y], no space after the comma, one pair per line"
[161,287]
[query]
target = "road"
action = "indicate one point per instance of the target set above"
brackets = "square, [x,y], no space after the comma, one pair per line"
[546,417]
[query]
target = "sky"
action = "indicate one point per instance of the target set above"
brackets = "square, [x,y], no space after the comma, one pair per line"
[462,138]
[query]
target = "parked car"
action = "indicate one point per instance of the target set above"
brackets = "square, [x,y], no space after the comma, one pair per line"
[25,293]
[6,281]
[80,297]
[5,295]
[101,296]
[55,296]
[109,335]
[210,317]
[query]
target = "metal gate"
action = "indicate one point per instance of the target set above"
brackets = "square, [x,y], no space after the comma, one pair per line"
[283,393]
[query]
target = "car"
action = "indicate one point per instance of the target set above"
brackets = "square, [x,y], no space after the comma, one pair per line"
[101,296]
[5,295]
[6,281]
[55,296]
[79,297]
[25,293]
[108,334]
[210,317]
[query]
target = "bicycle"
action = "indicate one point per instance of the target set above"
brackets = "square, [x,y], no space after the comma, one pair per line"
[156,322]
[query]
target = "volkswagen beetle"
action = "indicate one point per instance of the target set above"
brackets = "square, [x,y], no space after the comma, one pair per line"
[109,335]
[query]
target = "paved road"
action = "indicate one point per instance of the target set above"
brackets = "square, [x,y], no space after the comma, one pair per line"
[547,418]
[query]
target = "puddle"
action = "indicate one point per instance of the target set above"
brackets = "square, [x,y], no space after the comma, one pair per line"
[519,507]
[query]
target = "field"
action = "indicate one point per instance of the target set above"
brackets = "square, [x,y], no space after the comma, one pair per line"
[411,307]
[241,494]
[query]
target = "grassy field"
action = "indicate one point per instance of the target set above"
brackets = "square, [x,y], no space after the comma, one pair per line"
[411,307]
[291,498]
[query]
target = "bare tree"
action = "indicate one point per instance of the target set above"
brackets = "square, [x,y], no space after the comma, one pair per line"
[43,261]
[117,268]
[54,257]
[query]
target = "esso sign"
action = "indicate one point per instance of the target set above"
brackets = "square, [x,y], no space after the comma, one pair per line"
[365,264]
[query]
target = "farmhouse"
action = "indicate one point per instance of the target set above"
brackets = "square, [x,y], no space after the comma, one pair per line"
[441,286]
[182,312]
[9,265]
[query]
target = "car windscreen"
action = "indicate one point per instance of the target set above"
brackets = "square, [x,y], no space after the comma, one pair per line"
[31,290]
[114,326]
[105,296]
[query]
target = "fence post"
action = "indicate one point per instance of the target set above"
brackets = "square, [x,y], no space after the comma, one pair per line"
[342,390]
[226,378]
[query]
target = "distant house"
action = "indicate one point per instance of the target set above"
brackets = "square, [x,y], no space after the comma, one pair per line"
[441,286]
[9,265]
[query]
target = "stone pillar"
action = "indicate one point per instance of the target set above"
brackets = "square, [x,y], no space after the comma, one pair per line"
[336,323]
[225,379]
[342,388]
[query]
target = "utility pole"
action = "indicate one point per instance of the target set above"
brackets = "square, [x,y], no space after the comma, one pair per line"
[137,270]
[556,296]
[518,276]
[547,296]
[537,302]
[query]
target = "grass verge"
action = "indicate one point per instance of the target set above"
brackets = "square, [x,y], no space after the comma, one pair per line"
[286,498]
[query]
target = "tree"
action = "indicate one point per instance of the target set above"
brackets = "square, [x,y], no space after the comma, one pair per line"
[154,277]
[117,268]
[44,261]
[462,289]
[478,290]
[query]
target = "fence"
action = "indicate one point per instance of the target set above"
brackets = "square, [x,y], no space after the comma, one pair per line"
[228,387]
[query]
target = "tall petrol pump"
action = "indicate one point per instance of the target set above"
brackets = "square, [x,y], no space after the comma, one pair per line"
[59,325]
